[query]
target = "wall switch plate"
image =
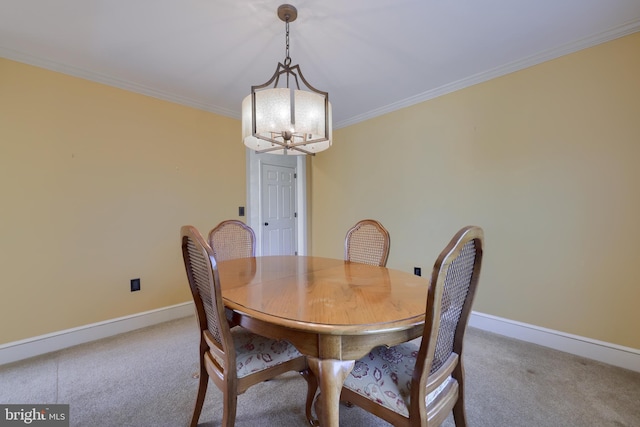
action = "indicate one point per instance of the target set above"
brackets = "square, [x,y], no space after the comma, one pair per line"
[135,285]
[241,211]
[417,271]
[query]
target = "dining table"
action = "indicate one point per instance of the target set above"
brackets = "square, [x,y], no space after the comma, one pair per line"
[333,311]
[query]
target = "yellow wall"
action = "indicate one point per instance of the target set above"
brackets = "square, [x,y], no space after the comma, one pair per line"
[544,159]
[95,183]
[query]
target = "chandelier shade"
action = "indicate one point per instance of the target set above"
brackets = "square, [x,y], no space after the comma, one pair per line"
[274,122]
[287,120]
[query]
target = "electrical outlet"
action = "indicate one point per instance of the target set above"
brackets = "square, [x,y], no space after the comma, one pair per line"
[241,211]
[135,285]
[417,271]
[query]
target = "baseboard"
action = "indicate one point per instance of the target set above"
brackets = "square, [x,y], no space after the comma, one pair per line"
[624,357]
[30,347]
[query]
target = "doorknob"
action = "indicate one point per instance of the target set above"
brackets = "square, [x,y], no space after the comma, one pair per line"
[266,223]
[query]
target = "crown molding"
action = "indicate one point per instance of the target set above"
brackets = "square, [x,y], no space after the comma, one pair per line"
[521,64]
[111,81]
[614,33]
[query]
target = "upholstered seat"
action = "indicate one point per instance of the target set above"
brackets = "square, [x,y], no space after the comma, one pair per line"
[367,242]
[255,353]
[235,359]
[419,382]
[385,377]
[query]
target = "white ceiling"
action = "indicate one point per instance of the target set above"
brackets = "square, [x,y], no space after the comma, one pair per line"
[372,56]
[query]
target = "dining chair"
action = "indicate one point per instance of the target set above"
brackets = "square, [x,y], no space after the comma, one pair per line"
[232,239]
[235,359]
[367,242]
[420,382]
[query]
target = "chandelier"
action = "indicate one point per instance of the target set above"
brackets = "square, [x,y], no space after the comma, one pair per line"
[286,119]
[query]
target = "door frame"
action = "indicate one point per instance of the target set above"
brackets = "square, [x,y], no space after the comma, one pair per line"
[254,163]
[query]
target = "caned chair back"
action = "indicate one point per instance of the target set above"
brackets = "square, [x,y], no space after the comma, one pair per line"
[420,383]
[453,287]
[202,273]
[232,239]
[367,242]
[235,359]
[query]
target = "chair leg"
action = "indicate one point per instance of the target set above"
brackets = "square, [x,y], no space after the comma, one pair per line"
[459,413]
[230,404]
[202,391]
[312,387]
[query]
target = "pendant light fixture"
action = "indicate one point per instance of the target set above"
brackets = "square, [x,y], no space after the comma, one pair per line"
[286,119]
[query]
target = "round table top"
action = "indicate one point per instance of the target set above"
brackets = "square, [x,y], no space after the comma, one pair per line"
[323,295]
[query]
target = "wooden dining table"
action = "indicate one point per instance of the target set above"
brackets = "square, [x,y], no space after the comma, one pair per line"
[333,311]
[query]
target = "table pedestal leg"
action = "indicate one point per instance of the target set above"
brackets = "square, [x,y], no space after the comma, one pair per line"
[331,374]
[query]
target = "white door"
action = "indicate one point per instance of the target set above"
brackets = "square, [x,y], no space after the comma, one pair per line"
[278,210]
[255,187]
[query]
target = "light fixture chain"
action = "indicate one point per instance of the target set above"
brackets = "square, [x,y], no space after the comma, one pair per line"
[287,59]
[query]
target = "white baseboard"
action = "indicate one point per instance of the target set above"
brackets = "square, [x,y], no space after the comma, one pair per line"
[613,354]
[30,347]
[625,357]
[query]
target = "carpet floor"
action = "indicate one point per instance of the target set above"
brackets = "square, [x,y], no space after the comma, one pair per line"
[146,378]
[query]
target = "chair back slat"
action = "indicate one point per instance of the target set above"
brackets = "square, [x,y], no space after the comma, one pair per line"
[367,242]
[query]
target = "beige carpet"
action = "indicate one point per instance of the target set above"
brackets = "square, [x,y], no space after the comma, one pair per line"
[145,378]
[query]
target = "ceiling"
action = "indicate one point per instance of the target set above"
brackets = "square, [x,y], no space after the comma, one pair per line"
[372,56]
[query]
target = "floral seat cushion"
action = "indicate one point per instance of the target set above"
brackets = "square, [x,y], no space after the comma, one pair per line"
[255,352]
[384,376]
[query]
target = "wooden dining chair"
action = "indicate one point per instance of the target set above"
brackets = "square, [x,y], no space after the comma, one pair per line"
[235,359]
[418,383]
[232,239]
[367,242]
